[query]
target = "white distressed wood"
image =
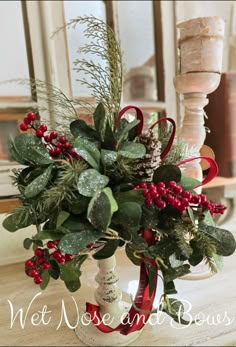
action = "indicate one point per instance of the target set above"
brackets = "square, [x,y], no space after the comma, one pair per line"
[109,298]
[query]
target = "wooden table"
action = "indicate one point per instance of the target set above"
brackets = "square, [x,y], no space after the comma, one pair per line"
[212,297]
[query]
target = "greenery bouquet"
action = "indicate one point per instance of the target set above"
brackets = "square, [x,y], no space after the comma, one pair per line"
[90,189]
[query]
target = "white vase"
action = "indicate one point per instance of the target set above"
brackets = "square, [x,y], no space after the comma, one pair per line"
[109,298]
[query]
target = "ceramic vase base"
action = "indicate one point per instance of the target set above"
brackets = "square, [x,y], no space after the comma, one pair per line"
[91,336]
[200,272]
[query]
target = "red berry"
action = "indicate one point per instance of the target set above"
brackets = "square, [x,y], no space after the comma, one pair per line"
[47,138]
[43,127]
[31,116]
[152,186]
[23,127]
[207,205]
[66,145]
[154,194]
[203,198]
[39,261]
[51,244]
[162,190]
[176,203]
[169,198]
[148,202]
[68,257]
[56,254]
[160,203]
[177,189]
[90,245]
[160,185]
[27,120]
[56,242]
[73,153]
[59,145]
[52,153]
[29,263]
[62,139]
[182,209]
[39,133]
[33,272]
[45,265]
[53,134]
[185,202]
[172,184]
[38,252]
[195,199]
[38,279]
[146,193]
[186,195]
[57,151]
[61,259]
[143,185]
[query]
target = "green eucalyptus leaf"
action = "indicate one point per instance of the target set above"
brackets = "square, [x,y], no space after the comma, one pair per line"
[49,235]
[130,196]
[151,277]
[27,243]
[169,287]
[99,118]
[70,271]
[73,286]
[74,243]
[130,252]
[196,257]
[88,151]
[108,157]
[14,154]
[224,239]
[18,219]
[167,173]
[171,274]
[38,184]
[113,203]
[188,183]
[90,181]
[54,270]
[107,251]
[109,141]
[80,128]
[99,211]
[132,150]
[46,279]
[123,135]
[191,215]
[61,218]
[175,309]
[32,150]
[128,215]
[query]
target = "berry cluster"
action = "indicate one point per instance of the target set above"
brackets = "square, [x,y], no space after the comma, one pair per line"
[55,144]
[41,260]
[173,195]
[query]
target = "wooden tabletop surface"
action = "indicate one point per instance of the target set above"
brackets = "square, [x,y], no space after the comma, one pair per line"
[212,299]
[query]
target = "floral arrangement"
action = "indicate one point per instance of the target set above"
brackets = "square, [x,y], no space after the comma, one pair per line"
[91,189]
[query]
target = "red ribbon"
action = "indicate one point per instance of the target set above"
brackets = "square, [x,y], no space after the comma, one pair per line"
[171,140]
[139,115]
[134,320]
[212,173]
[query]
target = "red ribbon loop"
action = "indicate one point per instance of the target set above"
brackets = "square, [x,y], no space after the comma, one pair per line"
[171,140]
[139,115]
[134,320]
[212,172]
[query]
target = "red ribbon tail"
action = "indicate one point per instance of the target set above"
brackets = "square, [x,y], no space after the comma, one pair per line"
[212,172]
[139,115]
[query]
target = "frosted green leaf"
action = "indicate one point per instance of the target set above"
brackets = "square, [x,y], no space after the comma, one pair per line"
[132,150]
[38,184]
[88,151]
[108,157]
[32,150]
[90,181]
[75,242]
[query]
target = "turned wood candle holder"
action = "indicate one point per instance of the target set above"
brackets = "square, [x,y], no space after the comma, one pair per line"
[201,52]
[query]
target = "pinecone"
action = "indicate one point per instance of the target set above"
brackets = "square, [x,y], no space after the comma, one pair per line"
[151,161]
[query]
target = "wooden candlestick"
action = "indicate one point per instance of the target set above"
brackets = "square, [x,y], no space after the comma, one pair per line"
[201,51]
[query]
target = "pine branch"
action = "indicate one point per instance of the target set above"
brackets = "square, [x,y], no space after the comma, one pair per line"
[106,82]
[182,243]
